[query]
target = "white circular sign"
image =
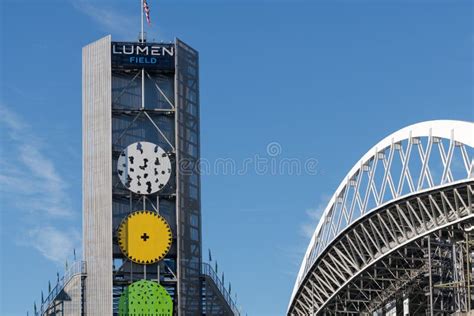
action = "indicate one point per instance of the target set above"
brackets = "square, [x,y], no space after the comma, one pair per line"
[144,168]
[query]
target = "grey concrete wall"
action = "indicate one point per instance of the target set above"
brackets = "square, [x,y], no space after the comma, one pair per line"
[97,179]
[73,307]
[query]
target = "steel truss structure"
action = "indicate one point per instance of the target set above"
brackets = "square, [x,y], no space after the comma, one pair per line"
[393,237]
[126,103]
[163,107]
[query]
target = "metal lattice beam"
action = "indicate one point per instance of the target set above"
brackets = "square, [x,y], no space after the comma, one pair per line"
[422,183]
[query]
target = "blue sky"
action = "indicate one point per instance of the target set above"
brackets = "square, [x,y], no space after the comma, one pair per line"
[320,81]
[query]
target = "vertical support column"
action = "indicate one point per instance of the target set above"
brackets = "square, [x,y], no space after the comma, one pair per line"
[97,175]
[468,268]
[188,207]
[143,92]
[455,270]
[143,107]
[158,265]
[430,275]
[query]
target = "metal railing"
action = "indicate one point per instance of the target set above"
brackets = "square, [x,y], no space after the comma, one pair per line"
[79,268]
[208,271]
[76,268]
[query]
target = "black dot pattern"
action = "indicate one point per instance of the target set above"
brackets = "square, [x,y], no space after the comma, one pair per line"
[144,168]
[145,298]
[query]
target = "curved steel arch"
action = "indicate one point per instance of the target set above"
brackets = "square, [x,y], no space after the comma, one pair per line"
[429,154]
[378,234]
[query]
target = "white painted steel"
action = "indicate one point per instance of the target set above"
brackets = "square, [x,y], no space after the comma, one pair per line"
[97,175]
[437,142]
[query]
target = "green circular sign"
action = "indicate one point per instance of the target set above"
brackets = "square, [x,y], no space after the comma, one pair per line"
[145,298]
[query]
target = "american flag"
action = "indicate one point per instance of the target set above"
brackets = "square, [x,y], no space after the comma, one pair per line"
[147,11]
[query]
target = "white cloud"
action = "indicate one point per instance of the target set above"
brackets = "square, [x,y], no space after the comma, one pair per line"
[110,19]
[27,172]
[12,121]
[54,244]
[34,190]
[313,215]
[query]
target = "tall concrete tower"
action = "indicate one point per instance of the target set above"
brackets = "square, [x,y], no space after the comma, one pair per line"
[141,187]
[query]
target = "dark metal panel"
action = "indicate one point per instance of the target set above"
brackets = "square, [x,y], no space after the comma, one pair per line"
[188,179]
[155,123]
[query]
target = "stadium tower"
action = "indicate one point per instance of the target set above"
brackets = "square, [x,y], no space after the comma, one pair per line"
[141,188]
[140,116]
[142,208]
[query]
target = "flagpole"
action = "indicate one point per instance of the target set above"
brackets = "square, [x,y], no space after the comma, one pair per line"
[141,14]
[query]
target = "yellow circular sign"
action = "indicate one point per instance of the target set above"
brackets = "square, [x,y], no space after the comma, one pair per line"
[144,237]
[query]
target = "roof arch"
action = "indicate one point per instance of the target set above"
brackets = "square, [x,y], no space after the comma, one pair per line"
[438,142]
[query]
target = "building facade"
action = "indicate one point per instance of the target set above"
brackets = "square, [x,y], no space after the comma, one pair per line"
[141,187]
[140,92]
